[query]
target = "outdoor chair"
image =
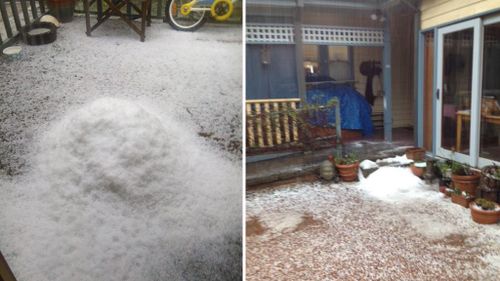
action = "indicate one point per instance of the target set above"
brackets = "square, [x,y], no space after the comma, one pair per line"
[143,8]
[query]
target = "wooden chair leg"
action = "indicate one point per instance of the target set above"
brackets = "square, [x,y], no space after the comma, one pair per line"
[144,12]
[5,271]
[99,9]
[87,16]
[149,12]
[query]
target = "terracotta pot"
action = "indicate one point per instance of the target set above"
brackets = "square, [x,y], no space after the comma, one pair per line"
[415,153]
[482,216]
[466,183]
[348,172]
[442,189]
[417,171]
[448,191]
[461,200]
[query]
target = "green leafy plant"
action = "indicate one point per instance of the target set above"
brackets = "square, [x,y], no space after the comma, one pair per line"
[347,159]
[443,169]
[459,192]
[485,204]
[460,169]
[443,166]
[495,171]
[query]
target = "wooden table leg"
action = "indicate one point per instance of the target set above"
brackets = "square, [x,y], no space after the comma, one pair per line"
[459,133]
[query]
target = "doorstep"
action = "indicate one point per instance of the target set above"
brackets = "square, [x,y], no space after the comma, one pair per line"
[271,168]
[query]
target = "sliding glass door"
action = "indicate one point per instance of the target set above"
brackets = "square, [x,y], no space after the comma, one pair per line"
[489,136]
[457,90]
[468,92]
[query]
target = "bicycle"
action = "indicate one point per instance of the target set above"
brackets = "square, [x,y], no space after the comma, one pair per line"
[189,15]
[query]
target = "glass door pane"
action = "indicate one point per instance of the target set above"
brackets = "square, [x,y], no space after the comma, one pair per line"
[490,110]
[456,90]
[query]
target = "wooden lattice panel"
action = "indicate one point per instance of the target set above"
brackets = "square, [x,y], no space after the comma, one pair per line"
[269,34]
[326,35]
[318,35]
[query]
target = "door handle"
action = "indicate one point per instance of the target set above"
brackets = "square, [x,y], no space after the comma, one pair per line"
[437,93]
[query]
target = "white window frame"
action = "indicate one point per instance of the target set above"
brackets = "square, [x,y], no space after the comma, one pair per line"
[478,26]
[472,158]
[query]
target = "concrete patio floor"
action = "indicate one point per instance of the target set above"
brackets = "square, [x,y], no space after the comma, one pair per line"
[323,231]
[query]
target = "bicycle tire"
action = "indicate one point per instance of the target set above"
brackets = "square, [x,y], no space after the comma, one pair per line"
[178,26]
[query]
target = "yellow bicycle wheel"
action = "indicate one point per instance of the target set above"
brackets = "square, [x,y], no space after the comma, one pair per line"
[221,10]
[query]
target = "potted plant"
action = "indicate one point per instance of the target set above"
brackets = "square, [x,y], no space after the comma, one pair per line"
[490,177]
[461,198]
[62,9]
[347,167]
[464,178]
[443,169]
[418,168]
[484,211]
[415,153]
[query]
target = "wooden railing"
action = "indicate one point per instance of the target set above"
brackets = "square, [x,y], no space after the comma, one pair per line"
[15,15]
[268,124]
[271,123]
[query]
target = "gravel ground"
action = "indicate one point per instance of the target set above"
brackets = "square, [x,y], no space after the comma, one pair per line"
[323,231]
[194,76]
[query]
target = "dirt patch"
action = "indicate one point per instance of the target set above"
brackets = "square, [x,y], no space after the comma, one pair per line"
[308,221]
[307,178]
[254,227]
[456,240]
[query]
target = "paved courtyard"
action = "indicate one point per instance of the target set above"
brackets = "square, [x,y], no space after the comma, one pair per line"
[347,231]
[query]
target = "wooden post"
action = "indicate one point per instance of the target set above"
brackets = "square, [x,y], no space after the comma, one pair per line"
[34,11]
[42,6]
[286,127]
[338,122]
[267,120]
[258,124]
[276,110]
[387,69]
[26,15]
[294,124]
[250,127]
[5,15]
[299,52]
[15,13]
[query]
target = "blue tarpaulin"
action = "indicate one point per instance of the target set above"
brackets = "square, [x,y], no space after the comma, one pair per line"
[355,111]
